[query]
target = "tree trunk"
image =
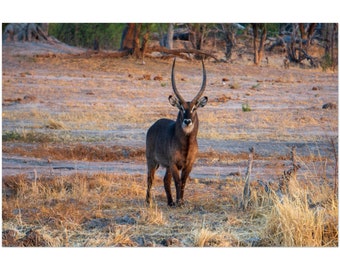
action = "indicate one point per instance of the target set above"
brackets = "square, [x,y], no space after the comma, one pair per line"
[262,41]
[144,42]
[131,40]
[228,36]
[334,37]
[302,31]
[229,44]
[197,33]
[26,32]
[329,35]
[256,52]
[169,38]
[306,35]
[259,47]
[297,49]
[311,30]
[128,37]
[136,42]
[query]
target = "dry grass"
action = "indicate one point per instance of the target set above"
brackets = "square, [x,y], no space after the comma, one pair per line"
[98,109]
[206,238]
[84,152]
[109,210]
[152,215]
[53,124]
[77,205]
[308,217]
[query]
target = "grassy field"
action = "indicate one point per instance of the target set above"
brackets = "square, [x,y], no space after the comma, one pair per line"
[109,210]
[73,144]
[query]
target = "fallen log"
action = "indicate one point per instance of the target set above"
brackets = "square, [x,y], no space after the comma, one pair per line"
[180,52]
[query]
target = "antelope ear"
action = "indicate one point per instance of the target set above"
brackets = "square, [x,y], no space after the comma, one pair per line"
[202,102]
[174,102]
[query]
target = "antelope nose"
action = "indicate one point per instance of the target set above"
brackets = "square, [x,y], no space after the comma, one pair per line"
[187,122]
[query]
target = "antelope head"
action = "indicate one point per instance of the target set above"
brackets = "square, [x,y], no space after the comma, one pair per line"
[187,116]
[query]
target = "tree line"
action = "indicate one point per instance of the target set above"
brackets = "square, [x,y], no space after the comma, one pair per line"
[134,38]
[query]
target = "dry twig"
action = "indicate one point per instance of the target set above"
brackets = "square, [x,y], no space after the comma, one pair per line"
[246,189]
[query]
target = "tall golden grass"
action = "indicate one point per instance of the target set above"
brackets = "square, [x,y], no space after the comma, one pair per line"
[306,217]
[108,210]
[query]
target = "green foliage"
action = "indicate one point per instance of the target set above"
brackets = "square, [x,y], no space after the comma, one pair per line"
[272,29]
[108,35]
[83,35]
[326,62]
[11,136]
[246,107]
[28,137]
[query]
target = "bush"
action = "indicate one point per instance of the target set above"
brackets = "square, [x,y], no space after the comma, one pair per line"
[108,35]
[326,62]
[246,107]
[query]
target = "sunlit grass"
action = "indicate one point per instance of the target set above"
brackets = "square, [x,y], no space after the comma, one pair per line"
[72,110]
[109,210]
[303,219]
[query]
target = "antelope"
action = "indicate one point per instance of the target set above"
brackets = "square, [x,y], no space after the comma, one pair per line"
[173,144]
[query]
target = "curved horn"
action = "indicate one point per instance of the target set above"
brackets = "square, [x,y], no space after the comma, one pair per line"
[200,93]
[178,95]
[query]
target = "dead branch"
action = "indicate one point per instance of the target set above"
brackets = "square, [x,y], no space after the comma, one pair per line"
[335,153]
[290,174]
[86,55]
[266,186]
[180,52]
[313,61]
[246,189]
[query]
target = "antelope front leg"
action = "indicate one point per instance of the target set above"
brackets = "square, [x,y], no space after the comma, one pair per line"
[167,187]
[184,176]
[178,184]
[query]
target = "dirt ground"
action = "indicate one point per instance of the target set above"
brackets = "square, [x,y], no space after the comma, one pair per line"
[108,102]
[66,111]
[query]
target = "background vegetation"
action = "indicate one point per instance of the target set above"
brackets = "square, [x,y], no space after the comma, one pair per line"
[108,35]
[84,34]
[293,40]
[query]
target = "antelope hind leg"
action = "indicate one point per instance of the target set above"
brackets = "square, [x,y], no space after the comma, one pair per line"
[151,175]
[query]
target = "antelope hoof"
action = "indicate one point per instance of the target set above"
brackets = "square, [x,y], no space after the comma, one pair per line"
[171,204]
[148,202]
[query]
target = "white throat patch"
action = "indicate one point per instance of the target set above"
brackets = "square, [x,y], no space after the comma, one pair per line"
[187,128]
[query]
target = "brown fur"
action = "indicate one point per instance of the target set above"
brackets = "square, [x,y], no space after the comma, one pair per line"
[173,144]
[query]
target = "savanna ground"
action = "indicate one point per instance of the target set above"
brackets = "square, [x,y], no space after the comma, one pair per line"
[73,144]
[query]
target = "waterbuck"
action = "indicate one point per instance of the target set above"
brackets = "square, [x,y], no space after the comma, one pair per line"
[173,144]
